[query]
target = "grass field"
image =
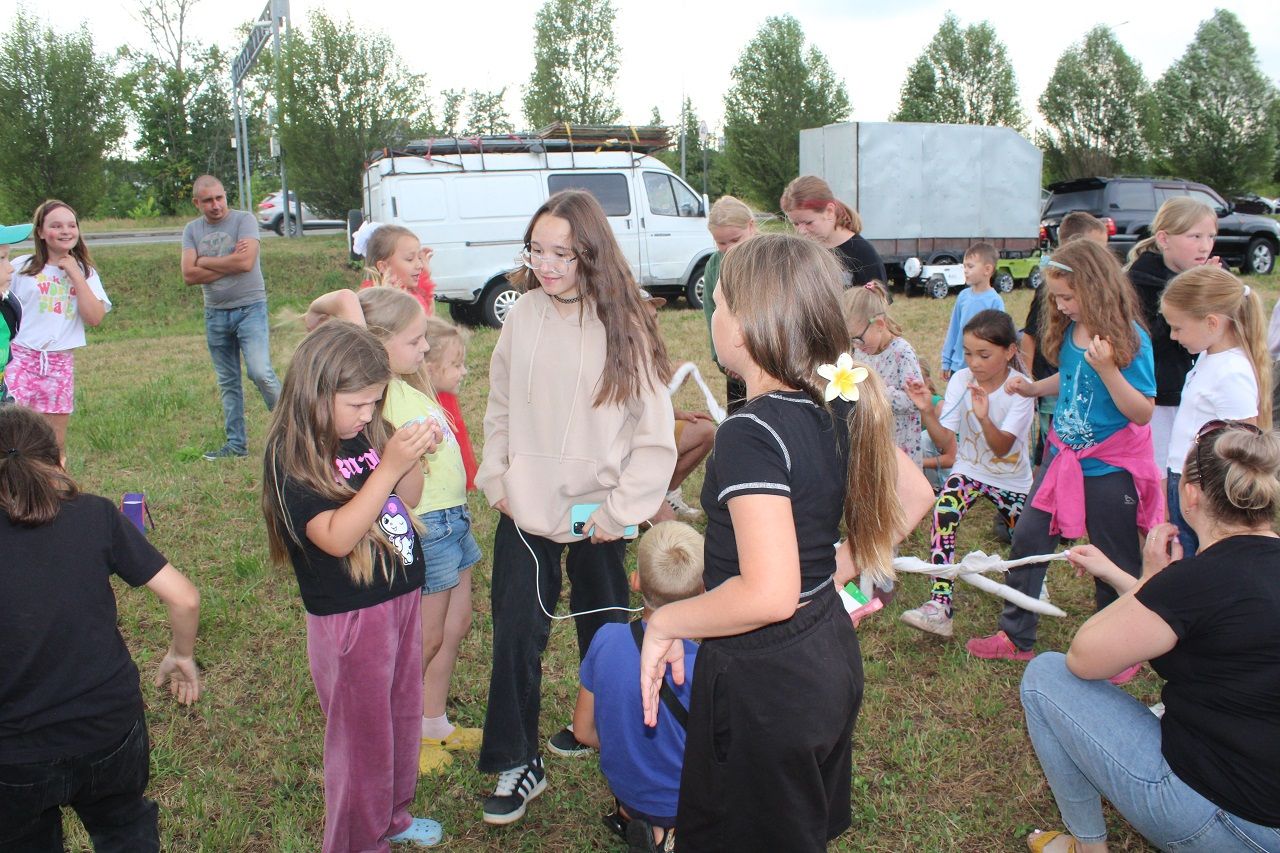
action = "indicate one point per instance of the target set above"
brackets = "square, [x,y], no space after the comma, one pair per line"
[942,761]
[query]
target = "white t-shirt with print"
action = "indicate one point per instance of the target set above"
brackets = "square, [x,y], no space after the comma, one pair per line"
[50,321]
[1220,385]
[1011,413]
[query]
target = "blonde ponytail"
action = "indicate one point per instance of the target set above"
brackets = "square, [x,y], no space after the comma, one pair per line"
[872,510]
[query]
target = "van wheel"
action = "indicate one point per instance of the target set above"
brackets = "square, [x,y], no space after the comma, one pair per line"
[355,218]
[696,288]
[1004,281]
[1036,278]
[496,301]
[1260,258]
[937,287]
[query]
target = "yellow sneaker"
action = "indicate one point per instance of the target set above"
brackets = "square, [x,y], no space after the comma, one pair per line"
[432,759]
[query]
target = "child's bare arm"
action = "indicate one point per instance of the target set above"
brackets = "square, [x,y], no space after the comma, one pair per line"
[584,719]
[178,667]
[340,304]
[1131,402]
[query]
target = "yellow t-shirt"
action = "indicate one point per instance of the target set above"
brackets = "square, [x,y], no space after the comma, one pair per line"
[446,479]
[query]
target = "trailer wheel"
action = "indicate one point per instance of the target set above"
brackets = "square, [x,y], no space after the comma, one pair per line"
[1004,281]
[1035,279]
[937,287]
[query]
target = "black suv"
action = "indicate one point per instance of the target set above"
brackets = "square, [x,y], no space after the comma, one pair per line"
[1127,206]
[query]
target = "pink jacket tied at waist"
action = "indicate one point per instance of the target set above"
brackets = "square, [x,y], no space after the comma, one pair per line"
[1061,493]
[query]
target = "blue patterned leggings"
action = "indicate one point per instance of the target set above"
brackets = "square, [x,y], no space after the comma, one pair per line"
[957,496]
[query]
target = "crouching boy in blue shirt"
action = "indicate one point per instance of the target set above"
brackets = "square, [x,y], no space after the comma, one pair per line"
[642,764]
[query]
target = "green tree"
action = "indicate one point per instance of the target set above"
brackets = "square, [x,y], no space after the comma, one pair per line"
[61,116]
[963,76]
[486,112]
[177,92]
[1099,110]
[1218,111]
[575,58]
[345,94]
[778,89]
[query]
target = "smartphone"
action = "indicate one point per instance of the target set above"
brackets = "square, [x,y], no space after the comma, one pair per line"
[581,513]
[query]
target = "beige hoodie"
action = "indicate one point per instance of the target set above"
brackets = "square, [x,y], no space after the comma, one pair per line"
[546,448]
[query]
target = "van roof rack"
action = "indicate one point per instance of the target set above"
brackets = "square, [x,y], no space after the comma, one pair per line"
[558,137]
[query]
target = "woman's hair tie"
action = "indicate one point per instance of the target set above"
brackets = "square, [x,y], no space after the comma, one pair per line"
[1247,291]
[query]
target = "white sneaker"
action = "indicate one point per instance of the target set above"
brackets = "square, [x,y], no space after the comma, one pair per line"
[683,511]
[930,617]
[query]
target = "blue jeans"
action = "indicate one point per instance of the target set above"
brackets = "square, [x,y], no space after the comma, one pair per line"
[105,788]
[230,333]
[1094,740]
[1187,536]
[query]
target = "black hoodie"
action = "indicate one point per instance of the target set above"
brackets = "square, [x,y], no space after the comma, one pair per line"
[1149,276]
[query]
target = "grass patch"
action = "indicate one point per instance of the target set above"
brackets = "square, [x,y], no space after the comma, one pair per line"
[942,761]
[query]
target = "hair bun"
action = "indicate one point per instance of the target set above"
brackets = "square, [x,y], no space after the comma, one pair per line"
[1252,477]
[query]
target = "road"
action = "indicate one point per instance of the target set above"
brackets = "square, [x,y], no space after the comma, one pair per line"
[126,238]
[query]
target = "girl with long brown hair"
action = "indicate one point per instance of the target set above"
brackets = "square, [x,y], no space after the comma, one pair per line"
[60,293]
[1100,474]
[578,417]
[778,681]
[338,485]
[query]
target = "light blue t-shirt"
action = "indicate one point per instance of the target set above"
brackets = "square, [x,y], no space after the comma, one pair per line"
[1086,414]
[968,303]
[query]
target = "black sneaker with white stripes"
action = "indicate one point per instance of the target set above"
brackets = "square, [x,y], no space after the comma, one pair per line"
[516,787]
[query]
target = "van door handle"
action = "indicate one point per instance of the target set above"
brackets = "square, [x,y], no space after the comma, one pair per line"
[628,224]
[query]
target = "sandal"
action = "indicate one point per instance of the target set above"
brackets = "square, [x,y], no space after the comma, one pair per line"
[640,838]
[616,822]
[1037,841]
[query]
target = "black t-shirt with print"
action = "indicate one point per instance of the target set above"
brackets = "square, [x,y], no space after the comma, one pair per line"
[323,580]
[1221,725]
[67,683]
[779,444]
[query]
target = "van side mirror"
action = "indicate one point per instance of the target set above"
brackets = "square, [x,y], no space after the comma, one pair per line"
[1226,209]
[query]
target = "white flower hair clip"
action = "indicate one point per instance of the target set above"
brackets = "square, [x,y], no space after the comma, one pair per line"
[842,378]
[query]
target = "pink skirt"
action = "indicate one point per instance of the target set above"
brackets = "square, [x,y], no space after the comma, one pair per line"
[44,381]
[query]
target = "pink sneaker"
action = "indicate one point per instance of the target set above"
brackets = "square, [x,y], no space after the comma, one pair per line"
[1124,676]
[997,647]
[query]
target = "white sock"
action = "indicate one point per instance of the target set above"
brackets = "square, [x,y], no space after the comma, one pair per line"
[437,728]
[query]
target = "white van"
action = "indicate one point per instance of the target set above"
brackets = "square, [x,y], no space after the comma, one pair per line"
[470,200]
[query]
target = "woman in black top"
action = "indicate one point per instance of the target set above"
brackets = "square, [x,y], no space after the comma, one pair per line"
[817,214]
[1206,776]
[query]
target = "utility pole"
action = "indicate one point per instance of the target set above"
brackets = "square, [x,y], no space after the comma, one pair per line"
[703,137]
[683,153]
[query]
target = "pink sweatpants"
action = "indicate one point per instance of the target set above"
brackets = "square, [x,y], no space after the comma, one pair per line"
[367,668]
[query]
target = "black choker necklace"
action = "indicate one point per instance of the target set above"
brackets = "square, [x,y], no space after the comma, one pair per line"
[564,301]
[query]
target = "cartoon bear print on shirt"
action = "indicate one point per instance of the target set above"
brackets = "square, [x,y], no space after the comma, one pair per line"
[394,522]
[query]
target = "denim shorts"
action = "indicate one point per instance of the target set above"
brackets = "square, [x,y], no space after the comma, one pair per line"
[448,547]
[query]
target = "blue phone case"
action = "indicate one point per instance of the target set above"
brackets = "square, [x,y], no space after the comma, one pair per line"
[579,514]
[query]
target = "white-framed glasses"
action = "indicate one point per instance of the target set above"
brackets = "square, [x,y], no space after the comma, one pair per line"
[537,260]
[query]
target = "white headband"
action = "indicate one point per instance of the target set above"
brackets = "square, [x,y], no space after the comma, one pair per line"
[360,239]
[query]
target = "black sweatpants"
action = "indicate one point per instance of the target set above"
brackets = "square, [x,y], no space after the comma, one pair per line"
[521,629]
[1111,520]
[768,760]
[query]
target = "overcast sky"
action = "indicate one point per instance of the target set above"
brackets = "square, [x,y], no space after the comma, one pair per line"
[673,47]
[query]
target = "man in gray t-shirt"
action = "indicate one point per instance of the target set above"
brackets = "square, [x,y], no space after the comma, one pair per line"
[220,253]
